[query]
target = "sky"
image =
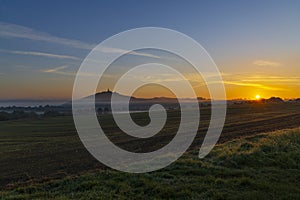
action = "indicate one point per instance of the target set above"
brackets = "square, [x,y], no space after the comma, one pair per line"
[255,44]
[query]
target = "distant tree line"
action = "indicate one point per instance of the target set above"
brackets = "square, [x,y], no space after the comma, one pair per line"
[19,114]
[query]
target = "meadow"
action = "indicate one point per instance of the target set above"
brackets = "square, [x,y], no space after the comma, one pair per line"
[257,157]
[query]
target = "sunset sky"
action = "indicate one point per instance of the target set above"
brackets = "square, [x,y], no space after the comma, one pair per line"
[255,44]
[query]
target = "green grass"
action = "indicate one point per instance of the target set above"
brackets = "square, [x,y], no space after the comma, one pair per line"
[263,166]
[44,158]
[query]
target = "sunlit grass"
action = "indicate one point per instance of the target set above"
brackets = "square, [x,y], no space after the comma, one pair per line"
[264,166]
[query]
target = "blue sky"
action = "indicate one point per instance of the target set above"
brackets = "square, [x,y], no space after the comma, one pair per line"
[44,42]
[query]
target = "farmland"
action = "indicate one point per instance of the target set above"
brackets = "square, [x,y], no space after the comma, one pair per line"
[44,157]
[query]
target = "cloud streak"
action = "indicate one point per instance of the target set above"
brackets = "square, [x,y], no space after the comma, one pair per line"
[122,51]
[266,63]
[16,31]
[272,79]
[58,70]
[8,30]
[54,70]
[43,54]
[256,85]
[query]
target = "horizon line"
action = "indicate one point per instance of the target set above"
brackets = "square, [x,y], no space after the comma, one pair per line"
[204,98]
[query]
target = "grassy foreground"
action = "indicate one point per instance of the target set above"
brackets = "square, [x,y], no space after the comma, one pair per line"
[264,166]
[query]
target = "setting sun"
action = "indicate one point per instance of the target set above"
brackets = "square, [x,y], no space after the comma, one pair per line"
[257,97]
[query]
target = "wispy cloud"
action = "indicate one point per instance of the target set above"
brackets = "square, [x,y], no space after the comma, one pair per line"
[266,63]
[55,70]
[34,53]
[272,79]
[262,81]
[16,31]
[115,50]
[256,85]
[60,70]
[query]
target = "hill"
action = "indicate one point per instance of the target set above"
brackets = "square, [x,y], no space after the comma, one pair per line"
[105,97]
[273,100]
[103,101]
